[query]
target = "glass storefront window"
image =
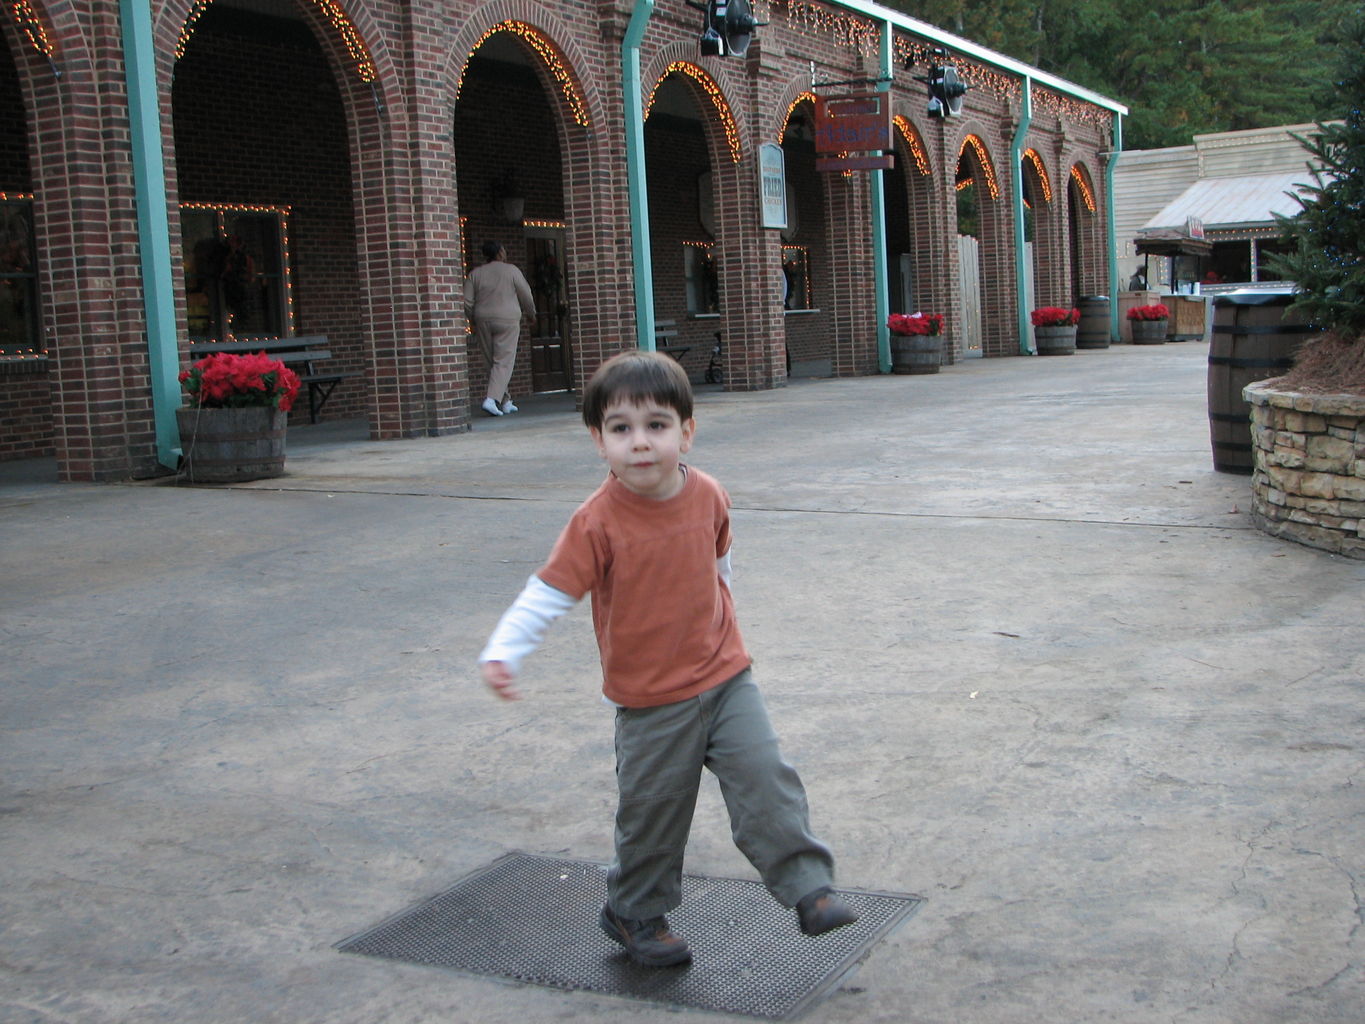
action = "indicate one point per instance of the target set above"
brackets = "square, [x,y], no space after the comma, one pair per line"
[18,281]
[796,274]
[236,271]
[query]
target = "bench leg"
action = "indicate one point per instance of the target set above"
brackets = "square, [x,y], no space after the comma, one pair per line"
[318,393]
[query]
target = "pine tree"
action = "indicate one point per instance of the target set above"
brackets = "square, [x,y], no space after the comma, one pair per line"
[1326,239]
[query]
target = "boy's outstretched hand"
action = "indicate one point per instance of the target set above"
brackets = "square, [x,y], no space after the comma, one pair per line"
[500,680]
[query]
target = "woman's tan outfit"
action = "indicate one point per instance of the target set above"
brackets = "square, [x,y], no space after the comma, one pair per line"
[496,296]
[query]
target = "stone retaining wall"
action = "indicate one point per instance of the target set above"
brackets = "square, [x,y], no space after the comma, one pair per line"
[1309,482]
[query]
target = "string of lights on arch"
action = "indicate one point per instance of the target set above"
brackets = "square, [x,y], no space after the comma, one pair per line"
[984,161]
[355,46]
[912,142]
[1044,182]
[1082,183]
[548,54]
[713,93]
[805,97]
[32,27]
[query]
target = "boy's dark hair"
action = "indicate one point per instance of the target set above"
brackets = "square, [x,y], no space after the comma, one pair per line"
[637,377]
[491,250]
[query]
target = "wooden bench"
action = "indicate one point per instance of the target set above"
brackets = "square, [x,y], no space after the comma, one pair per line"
[663,331]
[300,354]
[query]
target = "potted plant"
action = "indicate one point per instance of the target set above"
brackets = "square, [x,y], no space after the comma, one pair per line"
[232,428]
[1308,426]
[916,342]
[1054,330]
[1149,324]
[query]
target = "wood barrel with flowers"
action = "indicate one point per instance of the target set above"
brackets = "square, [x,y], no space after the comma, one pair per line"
[234,427]
[1054,330]
[916,342]
[1149,324]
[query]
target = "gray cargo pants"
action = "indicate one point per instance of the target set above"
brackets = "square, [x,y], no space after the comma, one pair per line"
[660,753]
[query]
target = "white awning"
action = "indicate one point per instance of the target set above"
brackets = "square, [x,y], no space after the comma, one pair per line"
[1234,202]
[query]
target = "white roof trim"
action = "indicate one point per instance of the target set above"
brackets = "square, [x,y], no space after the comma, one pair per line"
[981,53]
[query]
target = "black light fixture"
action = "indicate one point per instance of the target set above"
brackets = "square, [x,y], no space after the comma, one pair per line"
[727,29]
[946,88]
[509,202]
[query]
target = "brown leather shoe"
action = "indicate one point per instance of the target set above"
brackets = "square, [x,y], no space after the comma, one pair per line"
[649,943]
[822,911]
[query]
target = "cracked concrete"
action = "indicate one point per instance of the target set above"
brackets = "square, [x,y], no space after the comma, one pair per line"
[1026,648]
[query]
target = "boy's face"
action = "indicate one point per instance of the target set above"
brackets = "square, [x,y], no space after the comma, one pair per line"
[643,444]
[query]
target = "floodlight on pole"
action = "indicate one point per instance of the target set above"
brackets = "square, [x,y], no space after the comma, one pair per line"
[727,28]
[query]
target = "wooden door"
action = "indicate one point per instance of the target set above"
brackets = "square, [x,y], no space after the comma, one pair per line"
[551,359]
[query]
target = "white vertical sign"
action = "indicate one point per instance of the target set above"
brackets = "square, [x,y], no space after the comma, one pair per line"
[772,183]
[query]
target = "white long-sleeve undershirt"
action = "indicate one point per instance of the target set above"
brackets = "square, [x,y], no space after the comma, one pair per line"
[523,626]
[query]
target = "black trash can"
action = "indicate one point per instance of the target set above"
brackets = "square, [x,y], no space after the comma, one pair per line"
[1093,329]
[1252,340]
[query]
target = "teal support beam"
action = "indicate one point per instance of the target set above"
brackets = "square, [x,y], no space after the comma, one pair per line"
[879,257]
[154,239]
[1017,202]
[641,260]
[1110,230]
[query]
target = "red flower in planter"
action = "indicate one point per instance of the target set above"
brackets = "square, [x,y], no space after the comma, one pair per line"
[915,323]
[1055,316]
[1157,312]
[225,380]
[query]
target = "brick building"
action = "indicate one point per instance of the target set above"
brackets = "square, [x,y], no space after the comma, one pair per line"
[260,168]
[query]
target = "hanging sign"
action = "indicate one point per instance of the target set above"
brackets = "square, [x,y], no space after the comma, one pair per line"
[856,162]
[852,130]
[772,183]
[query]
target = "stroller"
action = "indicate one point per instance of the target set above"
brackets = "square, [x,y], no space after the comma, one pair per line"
[715,369]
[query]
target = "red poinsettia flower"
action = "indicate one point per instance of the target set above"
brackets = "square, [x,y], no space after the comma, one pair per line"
[225,380]
[1055,316]
[1157,312]
[915,323]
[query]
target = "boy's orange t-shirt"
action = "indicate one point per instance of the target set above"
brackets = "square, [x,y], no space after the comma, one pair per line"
[665,621]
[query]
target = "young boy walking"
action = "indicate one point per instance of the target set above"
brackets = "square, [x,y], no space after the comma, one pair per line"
[652,546]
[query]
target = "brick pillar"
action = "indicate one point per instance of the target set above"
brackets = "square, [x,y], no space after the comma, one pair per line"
[433,339]
[936,261]
[94,324]
[848,220]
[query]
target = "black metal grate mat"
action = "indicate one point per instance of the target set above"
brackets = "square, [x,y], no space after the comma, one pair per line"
[534,919]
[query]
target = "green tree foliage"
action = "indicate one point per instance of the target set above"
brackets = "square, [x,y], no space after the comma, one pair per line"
[1183,67]
[1328,234]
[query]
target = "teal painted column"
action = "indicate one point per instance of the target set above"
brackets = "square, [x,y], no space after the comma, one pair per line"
[1017,201]
[154,240]
[1111,230]
[883,301]
[642,261]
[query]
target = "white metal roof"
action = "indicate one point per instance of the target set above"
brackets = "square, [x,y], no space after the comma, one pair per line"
[1226,202]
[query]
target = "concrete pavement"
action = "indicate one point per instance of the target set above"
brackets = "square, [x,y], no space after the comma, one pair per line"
[1022,641]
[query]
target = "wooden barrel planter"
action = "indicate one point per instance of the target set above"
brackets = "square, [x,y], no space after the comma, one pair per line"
[231,445]
[1055,341]
[1251,341]
[1149,332]
[1093,330]
[916,353]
